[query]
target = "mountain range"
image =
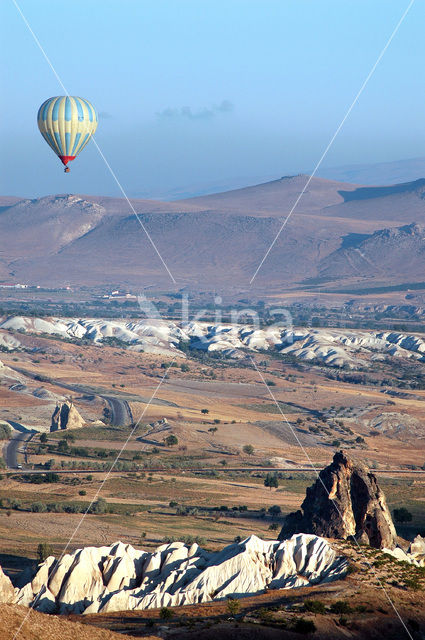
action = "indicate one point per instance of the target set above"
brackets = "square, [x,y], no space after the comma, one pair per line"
[340,233]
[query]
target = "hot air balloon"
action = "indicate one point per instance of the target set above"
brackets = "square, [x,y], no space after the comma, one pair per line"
[67,123]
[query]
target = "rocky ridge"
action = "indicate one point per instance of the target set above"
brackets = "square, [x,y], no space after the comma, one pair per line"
[333,347]
[119,577]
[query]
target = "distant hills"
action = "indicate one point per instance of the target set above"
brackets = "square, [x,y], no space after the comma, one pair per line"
[340,234]
[378,172]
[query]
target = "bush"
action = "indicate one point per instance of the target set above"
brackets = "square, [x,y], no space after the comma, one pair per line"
[314,606]
[83,492]
[248,449]
[99,507]
[340,606]
[171,440]
[5,431]
[38,507]
[304,626]
[166,613]
[44,550]
[275,510]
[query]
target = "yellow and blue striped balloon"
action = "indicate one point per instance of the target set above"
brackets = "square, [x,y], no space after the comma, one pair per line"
[67,123]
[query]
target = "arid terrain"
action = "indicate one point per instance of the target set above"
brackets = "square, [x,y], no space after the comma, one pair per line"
[341,235]
[202,429]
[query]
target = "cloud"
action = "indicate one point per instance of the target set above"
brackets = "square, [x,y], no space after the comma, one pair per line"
[202,113]
[104,115]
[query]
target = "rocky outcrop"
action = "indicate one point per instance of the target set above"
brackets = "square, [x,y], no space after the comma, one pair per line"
[414,554]
[66,416]
[344,501]
[7,592]
[117,578]
[348,348]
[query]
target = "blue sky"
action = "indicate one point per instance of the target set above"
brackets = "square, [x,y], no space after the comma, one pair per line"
[199,92]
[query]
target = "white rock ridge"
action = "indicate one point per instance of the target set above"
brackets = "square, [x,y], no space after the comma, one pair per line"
[333,347]
[119,577]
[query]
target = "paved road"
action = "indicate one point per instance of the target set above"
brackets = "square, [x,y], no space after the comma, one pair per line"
[19,437]
[120,411]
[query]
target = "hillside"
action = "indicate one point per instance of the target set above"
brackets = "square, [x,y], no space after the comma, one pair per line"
[218,240]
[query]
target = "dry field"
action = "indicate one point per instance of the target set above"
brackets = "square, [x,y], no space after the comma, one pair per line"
[214,409]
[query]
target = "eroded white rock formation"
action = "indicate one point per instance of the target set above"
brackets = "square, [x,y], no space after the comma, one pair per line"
[117,578]
[334,347]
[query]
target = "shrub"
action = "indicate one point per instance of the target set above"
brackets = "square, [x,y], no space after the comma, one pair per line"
[166,613]
[340,606]
[38,507]
[83,492]
[301,625]
[99,507]
[275,510]
[5,431]
[44,550]
[314,606]
[248,449]
[171,440]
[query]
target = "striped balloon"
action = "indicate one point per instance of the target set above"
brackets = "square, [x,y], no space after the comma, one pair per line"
[67,123]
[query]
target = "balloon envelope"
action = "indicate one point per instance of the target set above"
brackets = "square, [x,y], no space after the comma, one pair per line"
[67,123]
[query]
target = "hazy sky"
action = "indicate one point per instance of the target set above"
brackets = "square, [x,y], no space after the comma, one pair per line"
[194,92]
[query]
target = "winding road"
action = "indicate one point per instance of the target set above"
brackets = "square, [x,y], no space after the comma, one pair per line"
[20,436]
[121,415]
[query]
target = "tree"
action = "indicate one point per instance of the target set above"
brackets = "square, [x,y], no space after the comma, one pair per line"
[171,440]
[43,438]
[166,613]
[44,550]
[271,480]
[275,510]
[184,367]
[402,515]
[212,430]
[336,444]
[63,446]
[205,411]
[233,606]
[248,449]
[100,506]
